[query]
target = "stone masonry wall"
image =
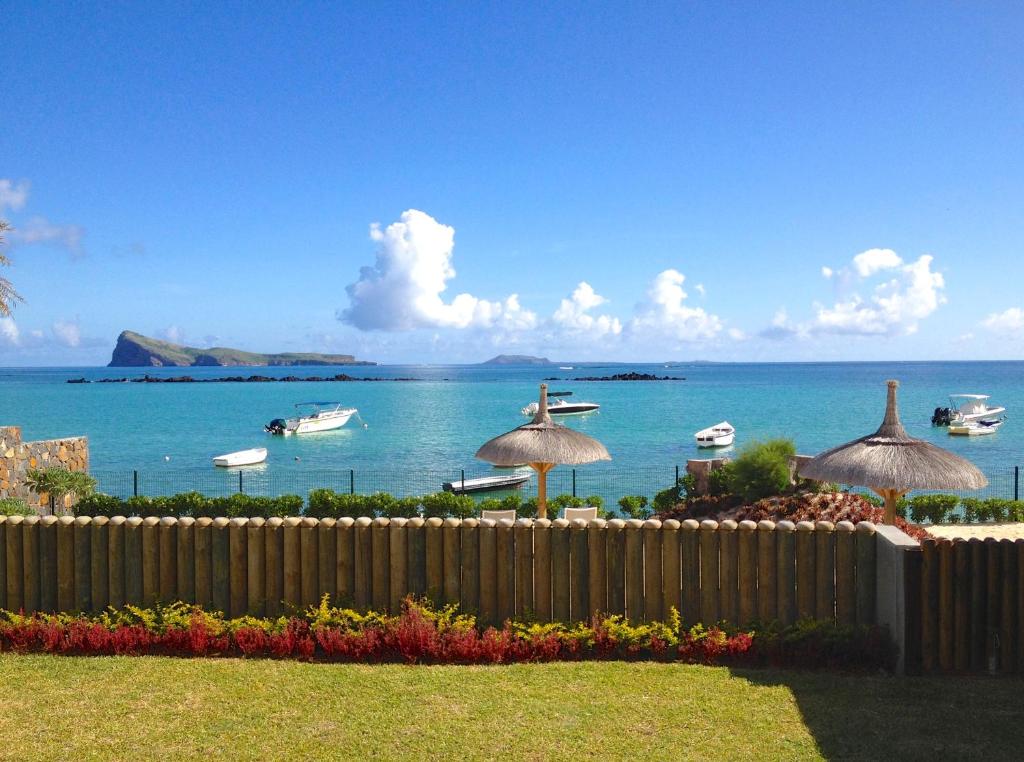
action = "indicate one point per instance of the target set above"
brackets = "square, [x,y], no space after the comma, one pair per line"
[17,457]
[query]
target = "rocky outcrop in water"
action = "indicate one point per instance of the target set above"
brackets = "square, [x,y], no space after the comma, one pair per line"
[147,379]
[623,377]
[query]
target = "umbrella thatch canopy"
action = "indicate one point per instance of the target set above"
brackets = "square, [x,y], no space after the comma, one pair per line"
[891,462]
[543,444]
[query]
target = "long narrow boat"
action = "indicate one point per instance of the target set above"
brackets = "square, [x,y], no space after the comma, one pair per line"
[241,458]
[486,483]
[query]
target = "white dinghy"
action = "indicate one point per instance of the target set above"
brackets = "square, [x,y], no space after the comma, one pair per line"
[241,458]
[720,435]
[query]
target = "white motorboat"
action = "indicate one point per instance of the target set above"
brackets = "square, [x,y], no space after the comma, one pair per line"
[313,416]
[976,428]
[557,405]
[720,435]
[241,458]
[486,483]
[964,408]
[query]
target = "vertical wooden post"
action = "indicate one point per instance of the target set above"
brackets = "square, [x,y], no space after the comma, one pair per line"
[709,572]
[435,560]
[3,562]
[346,560]
[993,579]
[824,571]
[747,573]
[470,556]
[380,584]
[30,563]
[979,568]
[597,567]
[579,574]
[16,563]
[929,603]
[805,563]
[452,560]
[238,566]
[167,537]
[785,609]
[542,569]
[728,570]
[865,572]
[560,570]
[653,584]
[945,605]
[506,574]
[186,559]
[689,548]
[150,559]
[615,563]
[961,605]
[523,548]
[291,563]
[775,560]
[398,571]
[327,559]
[203,551]
[273,555]
[66,563]
[671,579]
[634,570]
[416,545]
[488,573]
[99,570]
[256,566]
[133,593]
[1019,550]
[309,562]
[1008,632]
[846,580]
[48,565]
[83,563]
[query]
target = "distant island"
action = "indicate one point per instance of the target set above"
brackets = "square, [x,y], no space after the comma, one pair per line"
[517,360]
[134,350]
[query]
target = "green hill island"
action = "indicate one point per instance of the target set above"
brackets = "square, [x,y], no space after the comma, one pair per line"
[134,350]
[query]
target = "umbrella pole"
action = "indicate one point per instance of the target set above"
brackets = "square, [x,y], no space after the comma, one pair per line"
[542,487]
[891,497]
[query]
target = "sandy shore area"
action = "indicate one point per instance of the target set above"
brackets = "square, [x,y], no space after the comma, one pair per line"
[967,531]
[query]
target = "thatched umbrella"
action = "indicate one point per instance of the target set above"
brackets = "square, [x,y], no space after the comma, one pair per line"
[543,444]
[891,462]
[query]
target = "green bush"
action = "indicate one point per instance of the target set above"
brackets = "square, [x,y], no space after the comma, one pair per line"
[444,504]
[936,509]
[98,504]
[669,498]
[58,483]
[15,506]
[720,480]
[635,507]
[761,469]
[513,502]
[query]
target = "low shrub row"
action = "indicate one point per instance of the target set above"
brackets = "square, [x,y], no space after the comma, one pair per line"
[190,504]
[424,635]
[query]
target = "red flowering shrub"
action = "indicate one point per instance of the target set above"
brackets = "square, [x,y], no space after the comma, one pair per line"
[422,635]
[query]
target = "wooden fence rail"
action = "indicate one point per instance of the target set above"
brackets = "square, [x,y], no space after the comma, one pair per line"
[555,570]
[970,605]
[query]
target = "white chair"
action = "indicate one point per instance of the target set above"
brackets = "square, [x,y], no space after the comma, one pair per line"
[588,513]
[498,515]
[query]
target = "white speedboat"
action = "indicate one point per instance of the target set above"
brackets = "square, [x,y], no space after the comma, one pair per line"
[557,405]
[486,483]
[720,435]
[313,416]
[976,428]
[964,408]
[241,458]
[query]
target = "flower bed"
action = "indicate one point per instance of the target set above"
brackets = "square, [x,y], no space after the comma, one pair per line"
[423,635]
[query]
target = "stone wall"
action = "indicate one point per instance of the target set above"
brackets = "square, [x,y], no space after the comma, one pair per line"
[17,457]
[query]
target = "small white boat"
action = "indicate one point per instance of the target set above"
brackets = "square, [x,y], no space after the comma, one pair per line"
[720,435]
[976,428]
[241,458]
[486,483]
[965,408]
[559,406]
[313,416]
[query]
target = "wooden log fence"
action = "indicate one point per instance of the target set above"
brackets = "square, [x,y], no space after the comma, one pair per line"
[552,570]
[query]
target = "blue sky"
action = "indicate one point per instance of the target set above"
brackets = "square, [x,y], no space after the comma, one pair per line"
[633,181]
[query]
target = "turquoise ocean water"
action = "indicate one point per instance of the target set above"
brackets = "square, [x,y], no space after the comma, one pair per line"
[424,432]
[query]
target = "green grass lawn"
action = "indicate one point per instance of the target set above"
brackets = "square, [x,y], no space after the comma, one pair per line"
[148,707]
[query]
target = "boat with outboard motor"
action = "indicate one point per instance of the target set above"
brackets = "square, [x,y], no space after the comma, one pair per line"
[557,405]
[964,408]
[312,417]
[720,435]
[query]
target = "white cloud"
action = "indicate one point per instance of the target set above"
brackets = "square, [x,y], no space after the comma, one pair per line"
[9,333]
[664,313]
[1008,322]
[13,195]
[67,333]
[737,335]
[402,291]
[782,327]
[573,315]
[894,306]
[827,272]
[39,230]
[699,288]
[172,333]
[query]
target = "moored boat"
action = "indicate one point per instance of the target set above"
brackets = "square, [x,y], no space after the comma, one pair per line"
[965,408]
[486,483]
[241,458]
[720,435]
[557,405]
[313,416]
[976,428]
